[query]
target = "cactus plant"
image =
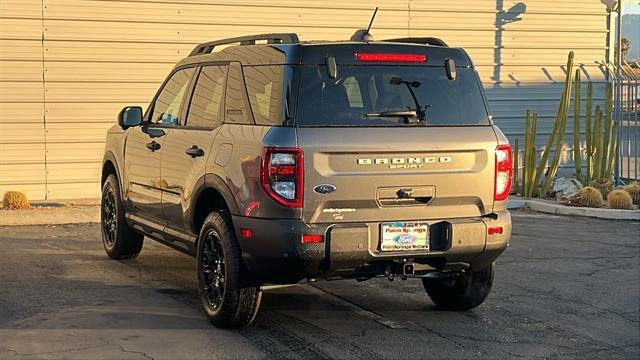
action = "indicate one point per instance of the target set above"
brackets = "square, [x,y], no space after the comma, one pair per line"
[620,199]
[529,161]
[577,152]
[589,197]
[634,190]
[558,133]
[587,133]
[15,200]
[605,186]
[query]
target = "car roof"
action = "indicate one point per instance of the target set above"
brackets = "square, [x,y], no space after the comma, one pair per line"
[316,52]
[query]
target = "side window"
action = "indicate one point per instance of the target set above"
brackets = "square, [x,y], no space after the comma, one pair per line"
[237,110]
[207,97]
[166,109]
[264,86]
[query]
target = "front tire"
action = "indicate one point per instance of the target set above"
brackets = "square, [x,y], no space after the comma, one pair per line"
[120,241]
[460,291]
[228,301]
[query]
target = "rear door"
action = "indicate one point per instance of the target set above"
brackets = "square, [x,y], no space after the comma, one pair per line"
[389,168]
[188,146]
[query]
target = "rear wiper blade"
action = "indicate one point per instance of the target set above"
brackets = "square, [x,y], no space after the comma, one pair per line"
[411,116]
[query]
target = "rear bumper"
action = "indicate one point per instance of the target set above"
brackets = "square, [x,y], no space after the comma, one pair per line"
[276,254]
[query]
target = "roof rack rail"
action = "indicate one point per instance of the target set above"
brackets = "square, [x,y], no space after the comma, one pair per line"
[284,38]
[420,40]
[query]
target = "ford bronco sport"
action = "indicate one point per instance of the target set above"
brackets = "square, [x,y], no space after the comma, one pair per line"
[275,161]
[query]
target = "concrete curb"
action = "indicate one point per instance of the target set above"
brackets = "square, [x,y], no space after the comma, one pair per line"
[549,207]
[51,216]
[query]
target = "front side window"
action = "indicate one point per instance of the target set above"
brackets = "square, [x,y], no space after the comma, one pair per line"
[204,109]
[166,109]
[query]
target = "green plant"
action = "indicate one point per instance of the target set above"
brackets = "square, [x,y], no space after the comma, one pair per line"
[602,139]
[634,190]
[589,197]
[529,161]
[605,186]
[587,133]
[15,200]
[620,199]
[532,173]
[577,153]
[558,134]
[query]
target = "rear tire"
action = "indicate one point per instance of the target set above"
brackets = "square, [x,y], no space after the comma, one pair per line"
[120,241]
[228,300]
[462,291]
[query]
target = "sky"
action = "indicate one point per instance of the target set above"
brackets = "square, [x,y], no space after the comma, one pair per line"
[631,7]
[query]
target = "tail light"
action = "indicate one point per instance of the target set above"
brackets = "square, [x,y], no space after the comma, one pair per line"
[282,175]
[504,173]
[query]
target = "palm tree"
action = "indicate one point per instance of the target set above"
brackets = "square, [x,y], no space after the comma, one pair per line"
[626,46]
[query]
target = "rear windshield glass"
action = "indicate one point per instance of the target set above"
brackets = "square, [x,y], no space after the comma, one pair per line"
[389,96]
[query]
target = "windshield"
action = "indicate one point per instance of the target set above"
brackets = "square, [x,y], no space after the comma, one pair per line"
[389,96]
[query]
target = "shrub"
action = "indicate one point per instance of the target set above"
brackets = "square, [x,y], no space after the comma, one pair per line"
[15,200]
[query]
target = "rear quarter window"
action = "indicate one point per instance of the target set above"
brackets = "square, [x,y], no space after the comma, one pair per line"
[264,88]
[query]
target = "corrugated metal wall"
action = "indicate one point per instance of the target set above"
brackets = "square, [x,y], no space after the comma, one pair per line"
[68,66]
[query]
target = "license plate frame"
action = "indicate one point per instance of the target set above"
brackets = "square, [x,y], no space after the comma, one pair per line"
[406,236]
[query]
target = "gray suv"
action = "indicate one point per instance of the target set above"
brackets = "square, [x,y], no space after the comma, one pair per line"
[276,161]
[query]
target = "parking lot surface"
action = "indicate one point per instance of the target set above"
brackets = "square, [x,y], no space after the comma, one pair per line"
[565,288]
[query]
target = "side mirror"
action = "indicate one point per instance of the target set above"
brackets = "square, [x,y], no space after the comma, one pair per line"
[450,66]
[130,116]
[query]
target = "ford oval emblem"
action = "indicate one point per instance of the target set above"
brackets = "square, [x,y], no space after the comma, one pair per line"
[324,188]
[405,239]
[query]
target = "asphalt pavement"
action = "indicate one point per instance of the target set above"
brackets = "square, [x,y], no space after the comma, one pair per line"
[566,288]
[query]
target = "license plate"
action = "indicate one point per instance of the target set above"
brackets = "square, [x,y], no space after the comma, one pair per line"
[405,236]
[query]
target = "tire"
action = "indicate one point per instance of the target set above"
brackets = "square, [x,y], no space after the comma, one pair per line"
[119,240]
[460,291]
[228,300]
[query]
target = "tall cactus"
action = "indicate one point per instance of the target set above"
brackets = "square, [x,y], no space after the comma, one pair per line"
[613,149]
[601,135]
[529,160]
[587,134]
[595,137]
[525,162]
[577,153]
[559,131]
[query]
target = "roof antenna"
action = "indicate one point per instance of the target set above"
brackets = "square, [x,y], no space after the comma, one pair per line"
[362,34]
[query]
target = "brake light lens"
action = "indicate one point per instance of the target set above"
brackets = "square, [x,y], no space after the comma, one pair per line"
[392,57]
[282,175]
[504,173]
[311,239]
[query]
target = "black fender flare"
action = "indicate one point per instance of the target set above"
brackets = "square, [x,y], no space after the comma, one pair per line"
[108,156]
[213,181]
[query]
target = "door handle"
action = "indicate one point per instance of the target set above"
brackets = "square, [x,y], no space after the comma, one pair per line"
[153,146]
[194,151]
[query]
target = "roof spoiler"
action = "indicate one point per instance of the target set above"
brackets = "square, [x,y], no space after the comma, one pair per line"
[420,40]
